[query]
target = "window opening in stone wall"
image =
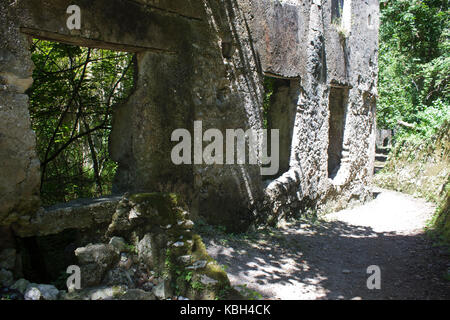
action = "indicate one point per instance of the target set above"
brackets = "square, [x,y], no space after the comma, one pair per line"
[337,7]
[338,108]
[280,104]
[71,104]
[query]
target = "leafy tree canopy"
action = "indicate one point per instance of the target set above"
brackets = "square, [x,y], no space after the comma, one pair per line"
[414,64]
[71,103]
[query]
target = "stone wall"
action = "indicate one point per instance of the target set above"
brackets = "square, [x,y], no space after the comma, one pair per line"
[19,166]
[205,60]
[334,55]
[213,79]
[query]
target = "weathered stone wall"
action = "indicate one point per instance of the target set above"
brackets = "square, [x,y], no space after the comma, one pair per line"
[342,55]
[19,166]
[205,60]
[198,60]
[144,27]
[213,78]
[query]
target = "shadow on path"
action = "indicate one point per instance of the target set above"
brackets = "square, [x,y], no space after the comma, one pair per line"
[329,260]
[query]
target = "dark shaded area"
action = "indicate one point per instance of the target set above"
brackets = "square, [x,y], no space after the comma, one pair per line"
[336,9]
[45,259]
[338,111]
[10,294]
[280,105]
[375,194]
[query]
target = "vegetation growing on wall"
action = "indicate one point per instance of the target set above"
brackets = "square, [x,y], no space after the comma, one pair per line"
[268,92]
[442,218]
[71,104]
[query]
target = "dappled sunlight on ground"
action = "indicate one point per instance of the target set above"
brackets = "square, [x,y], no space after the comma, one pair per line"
[390,212]
[328,259]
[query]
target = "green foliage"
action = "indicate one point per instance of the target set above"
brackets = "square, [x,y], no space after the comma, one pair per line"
[249,294]
[414,64]
[61,281]
[268,92]
[440,224]
[131,248]
[447,276]
[197,285]
[182,278]
[71,103]
[414,69]
[415,27]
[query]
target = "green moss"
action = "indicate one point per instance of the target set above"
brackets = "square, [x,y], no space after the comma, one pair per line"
[442,223]
[187,282]
[249,294]
[117,291]
[159,206]
[161,210]
[221,290]
[216,272]
[199,249]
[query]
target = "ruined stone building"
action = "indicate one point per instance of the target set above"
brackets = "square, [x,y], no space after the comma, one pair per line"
[206,60]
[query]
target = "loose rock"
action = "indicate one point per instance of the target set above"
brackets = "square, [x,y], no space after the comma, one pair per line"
[6,278]
[41,292]
[8,259]
[21,285]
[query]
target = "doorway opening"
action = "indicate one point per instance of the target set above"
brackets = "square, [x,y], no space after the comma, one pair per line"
[280,105]
[338,101]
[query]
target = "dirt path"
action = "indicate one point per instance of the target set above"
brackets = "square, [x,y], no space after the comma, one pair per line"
[328,259]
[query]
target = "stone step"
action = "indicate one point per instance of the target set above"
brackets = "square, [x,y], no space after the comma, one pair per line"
[378,166]
[383,150]
[377,169]
[381,157]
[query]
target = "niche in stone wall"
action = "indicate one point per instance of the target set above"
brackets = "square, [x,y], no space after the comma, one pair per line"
[280,104]
[338,100]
